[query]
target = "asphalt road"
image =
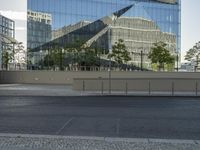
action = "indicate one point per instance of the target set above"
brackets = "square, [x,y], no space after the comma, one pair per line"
[135,117]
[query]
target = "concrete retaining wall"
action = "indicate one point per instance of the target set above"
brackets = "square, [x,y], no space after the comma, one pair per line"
[148,85]
[133,81]
[45,77]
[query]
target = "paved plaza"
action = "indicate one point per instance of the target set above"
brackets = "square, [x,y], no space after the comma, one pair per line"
[37,90]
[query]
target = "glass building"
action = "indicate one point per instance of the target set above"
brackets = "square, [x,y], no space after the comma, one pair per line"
[7,35]
[100,23]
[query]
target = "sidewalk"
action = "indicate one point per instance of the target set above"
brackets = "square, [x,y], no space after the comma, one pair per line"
[67,90]
[37,90]
[45,142]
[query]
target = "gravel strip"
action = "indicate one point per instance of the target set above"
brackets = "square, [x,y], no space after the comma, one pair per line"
[76,143]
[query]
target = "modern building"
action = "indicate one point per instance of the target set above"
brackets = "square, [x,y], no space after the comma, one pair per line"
[67,29]
[39,28]
[187,67]
[38,32]
[139,34]
[140,23]
[7,35]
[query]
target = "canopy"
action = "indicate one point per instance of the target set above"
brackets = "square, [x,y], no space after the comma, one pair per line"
[7,39]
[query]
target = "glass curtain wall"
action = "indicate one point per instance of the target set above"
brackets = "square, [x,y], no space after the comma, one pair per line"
[7,32]
[145,20]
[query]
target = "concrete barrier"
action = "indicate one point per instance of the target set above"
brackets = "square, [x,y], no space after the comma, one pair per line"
[149,86]
[44,77]
[98,81]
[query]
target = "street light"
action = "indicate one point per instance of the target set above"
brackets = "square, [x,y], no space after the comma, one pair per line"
[41,60]
[141,55]
[61,59]
[110,51]
[177,60]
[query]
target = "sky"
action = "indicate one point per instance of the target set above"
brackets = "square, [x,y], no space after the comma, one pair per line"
[190,29]
[190,24]
[15,10]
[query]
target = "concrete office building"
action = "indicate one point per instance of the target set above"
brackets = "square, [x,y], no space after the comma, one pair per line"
[101,23]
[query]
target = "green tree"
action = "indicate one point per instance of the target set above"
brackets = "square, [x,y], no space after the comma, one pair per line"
[76,52]
[55,56]
[98,54]
[160,55]
[49,61]
[90,57]
[19,54]
[6,59]
[120,53]
[190,54]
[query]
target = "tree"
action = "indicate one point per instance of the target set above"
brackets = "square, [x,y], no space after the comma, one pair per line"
[120,53]
[76,51]
[90,57]
[190,54]
[193,52]
[49,61]
[98,53]
[55,56]
[160,55]
[19,54]
[6,58]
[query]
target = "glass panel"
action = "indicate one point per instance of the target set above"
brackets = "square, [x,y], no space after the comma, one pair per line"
[140,26]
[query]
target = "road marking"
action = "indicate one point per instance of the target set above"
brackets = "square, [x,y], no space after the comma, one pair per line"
[59,131]
[118,126]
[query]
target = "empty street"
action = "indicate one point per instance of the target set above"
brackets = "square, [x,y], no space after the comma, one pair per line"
[111,116]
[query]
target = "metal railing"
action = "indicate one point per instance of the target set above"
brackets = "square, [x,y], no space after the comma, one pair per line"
[139,86]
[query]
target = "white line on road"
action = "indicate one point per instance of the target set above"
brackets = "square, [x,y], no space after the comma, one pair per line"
[118,126]
[59,131]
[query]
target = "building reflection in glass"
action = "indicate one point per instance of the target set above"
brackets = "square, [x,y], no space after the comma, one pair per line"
[100,23]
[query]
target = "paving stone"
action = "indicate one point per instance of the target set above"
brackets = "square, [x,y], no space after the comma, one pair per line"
[81,143]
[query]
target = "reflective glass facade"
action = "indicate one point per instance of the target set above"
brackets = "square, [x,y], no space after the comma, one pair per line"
[7,33]
[7,26]
[145,20]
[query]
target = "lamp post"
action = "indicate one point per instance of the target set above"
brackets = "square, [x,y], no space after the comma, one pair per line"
[141,55]
[177,60]
[41,60]
[61,59]
[110,51]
